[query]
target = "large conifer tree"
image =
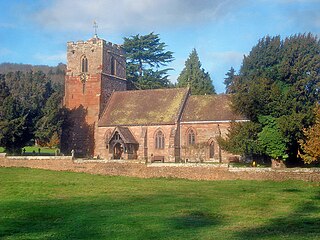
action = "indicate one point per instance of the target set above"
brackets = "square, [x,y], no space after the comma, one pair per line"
[195,77]
[279,81]
[146,56]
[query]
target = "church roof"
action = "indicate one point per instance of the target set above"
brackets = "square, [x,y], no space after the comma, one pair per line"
[125,134]
[144,107]
[209,108]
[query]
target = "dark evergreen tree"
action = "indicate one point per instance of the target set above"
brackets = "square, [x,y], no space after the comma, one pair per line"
[53,116]
[25,98]
[14,131]
[229,79]
[146,56]
[195,77]
[280,81]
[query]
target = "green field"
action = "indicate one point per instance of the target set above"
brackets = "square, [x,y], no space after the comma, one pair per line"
[34,149]
[43,150]
[39,204]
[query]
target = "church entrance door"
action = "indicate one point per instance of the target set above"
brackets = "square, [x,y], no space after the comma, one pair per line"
[117,151]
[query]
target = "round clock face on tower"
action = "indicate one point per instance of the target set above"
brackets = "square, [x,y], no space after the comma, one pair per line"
[83,77]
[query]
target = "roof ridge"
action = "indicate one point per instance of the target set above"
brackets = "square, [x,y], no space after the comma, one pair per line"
[148,90]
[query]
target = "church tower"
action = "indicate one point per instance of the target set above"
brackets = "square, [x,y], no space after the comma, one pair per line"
[95,68]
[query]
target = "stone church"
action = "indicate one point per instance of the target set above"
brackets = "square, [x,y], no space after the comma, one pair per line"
[108,121]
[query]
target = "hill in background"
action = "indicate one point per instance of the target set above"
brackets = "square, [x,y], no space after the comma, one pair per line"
[55,73]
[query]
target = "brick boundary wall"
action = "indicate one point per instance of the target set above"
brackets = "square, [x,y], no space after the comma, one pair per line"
[156,170]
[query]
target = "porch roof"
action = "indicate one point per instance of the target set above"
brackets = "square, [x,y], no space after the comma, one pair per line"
[125,134]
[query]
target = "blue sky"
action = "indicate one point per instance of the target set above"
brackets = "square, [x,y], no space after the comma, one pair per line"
[222,31]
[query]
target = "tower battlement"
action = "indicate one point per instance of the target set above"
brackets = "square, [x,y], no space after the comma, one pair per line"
[95,69]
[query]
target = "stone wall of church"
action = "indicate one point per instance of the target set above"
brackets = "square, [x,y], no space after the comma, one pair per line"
[110,84]
[145,136]
[88,89]
[205,141]
[205,135]
[168,152]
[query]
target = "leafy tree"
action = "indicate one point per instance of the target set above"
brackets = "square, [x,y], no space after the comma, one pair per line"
[195,77]
[311,144]
[280,79]
[146,55]
[230,77]
[271,139]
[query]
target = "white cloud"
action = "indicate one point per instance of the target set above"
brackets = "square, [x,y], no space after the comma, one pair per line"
[46,59]
[131,15]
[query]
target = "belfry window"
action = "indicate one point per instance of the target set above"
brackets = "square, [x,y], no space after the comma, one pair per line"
[159,140]
[191,137]
[113,66]
[84,64]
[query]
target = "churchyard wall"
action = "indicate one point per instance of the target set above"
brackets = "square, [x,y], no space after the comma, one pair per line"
[191,171]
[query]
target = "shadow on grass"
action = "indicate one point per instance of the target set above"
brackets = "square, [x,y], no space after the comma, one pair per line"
[99,218]
[293,190]
[46,220]
[302,223]
[196,219]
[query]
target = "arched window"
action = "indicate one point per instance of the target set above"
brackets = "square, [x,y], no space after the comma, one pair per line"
[159,140]
[191,137]
[84,64]
[211,150]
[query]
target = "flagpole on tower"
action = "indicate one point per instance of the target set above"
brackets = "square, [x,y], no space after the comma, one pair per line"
[95,26]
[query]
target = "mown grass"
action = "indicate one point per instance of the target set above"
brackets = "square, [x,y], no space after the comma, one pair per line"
[40,204]
[43,150]
[30,150]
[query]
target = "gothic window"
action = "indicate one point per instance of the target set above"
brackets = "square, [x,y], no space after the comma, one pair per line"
[211,150]
[191,137]
[159,140]
[84,64]
[113,64]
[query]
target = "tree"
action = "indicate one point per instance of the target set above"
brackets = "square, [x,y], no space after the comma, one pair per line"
[49,126]
[4,90]
[230,77]
[311,143]
[14,131]
[195,77]
[146,55]
[280,80]
[242,139]
[23,98]
[271,139]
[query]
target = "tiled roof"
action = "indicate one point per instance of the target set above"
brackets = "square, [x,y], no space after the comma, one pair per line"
[209,108]
[144,107]
[125,134]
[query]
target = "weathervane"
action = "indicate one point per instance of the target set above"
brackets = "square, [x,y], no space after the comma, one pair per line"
[95,26]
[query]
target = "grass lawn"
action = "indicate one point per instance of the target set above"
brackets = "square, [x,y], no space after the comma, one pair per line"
[43,150]
[31,149]
[39,204]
